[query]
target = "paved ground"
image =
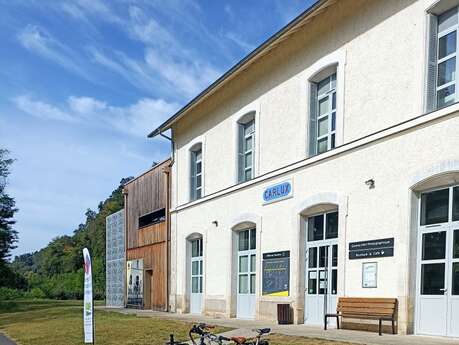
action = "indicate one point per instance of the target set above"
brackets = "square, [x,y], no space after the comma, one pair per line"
[244,327]
[5,341]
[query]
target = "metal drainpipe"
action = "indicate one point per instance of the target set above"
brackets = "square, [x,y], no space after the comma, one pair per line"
[125,194]
[168,217]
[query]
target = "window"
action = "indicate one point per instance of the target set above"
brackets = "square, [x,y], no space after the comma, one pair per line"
[196,266]
[152,218]
[316,225]
[247,261]
[196,173]
[322,124]
[246,150]
[443,46]
[434,207]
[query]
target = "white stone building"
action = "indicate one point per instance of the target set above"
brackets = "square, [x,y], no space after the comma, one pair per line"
[341,128]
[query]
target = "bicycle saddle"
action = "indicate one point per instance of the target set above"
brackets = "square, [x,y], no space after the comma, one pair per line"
[239,340]
[264,330]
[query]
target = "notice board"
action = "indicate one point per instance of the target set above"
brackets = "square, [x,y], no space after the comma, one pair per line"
[276,273]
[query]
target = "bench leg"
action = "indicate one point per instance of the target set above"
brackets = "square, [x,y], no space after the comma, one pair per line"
[337,322]
[325,322]
[393,326]
[380,327]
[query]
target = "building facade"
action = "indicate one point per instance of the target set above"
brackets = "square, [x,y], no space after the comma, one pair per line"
[325,164]
[146,209]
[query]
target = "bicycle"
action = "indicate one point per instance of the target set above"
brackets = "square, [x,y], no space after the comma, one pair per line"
[205,336]
[253,340]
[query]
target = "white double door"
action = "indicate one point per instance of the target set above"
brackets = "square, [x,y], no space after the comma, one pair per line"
[321,268]
[196,277]
[321,282]
[437,311]
[246,297]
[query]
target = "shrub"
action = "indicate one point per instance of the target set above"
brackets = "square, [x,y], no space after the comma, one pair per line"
[35,293]
[8,294]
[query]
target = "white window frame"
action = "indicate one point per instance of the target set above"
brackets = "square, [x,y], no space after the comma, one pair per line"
[194,148]
[331,133]
[441,34]
[248,135]
[248,119]
[334,61]
[199,258]
[251,271]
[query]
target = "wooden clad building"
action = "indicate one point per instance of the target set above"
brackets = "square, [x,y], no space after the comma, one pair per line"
[148,238]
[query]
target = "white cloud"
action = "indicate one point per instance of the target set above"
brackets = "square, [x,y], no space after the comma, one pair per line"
[229,10]
[137,119]
[37,40]
[40,109]
[168,68]
[148,30]
[81,9]
[189,77]
[85,105]
[135,72]
[240,42]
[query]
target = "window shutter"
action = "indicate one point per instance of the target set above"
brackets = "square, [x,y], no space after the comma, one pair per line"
[431,78]
[313,119]
[240,155]
[193,177]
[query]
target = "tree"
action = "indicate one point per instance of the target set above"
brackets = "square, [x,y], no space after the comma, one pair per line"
[57,269]
[8,235]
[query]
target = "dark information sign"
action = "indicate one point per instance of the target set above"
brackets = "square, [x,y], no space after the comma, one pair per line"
[371,249]
[276,273]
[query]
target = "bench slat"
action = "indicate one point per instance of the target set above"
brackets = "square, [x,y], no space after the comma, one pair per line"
[367,300]
[367,317]
[366,310]
[363,305]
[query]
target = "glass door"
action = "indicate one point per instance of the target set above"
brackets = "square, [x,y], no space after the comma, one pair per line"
[321,267]
[246,274]
[438,267]
[196,277]
[453,283]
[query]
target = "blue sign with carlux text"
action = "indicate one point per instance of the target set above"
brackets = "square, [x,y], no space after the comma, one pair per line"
[278,191]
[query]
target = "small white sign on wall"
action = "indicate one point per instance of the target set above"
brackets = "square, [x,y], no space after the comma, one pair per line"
[369,274]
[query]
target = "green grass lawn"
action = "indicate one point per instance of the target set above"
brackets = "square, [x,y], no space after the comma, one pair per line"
[61,323]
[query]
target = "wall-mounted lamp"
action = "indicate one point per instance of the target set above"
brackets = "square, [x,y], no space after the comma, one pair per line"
[370,183]
[215,223]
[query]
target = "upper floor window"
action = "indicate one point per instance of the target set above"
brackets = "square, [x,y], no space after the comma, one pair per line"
[322,121]
[152,218]
[443,47]
[246,149]
[196,173]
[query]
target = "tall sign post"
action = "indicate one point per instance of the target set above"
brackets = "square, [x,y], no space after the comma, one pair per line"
[88,305]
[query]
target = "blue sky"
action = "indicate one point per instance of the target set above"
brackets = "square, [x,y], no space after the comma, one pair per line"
[84,81]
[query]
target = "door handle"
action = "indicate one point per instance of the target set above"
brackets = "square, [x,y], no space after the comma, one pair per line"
[444,290]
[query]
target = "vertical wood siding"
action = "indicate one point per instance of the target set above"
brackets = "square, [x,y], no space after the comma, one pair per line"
[154,259]
[145,194]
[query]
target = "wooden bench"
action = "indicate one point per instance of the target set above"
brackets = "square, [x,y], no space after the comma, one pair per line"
[381,309]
